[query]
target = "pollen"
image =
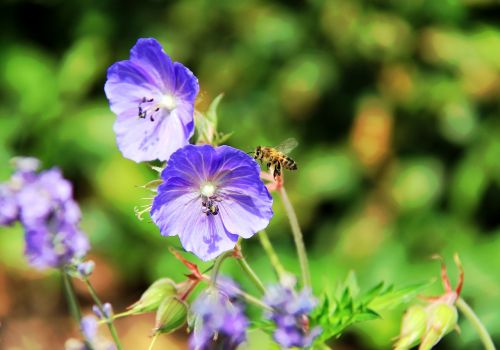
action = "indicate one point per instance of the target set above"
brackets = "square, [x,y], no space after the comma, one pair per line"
[168,102]
[207,189]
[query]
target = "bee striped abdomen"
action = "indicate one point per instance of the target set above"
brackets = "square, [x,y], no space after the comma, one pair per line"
[289,163]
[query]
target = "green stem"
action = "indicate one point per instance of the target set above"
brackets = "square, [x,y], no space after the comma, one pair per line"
[297,236]
[247,297]
[251,273]
[476,324]
[117,316]
[69,292]
[273,257]
[153,341]
[109,320]
[217,265]
[253,300]
[74,307]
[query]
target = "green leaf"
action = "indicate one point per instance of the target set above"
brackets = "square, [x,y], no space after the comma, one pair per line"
[350,306]
[211,113]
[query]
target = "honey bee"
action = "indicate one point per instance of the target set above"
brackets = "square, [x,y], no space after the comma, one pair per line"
[276,157]
[209,207]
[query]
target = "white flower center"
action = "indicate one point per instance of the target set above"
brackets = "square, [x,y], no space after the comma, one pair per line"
[207,189]
[168,102]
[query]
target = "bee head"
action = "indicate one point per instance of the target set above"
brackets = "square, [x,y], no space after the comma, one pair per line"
[258,151]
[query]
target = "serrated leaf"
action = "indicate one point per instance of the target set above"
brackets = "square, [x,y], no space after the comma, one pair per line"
[394,297]
[211,113]
[334,315]
[221,138]
[351,283]
[372,293]
[152,185]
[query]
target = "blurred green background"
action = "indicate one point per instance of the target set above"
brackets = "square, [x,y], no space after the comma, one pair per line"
[395,105]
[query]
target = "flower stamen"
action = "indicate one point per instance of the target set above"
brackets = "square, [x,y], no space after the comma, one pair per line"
[148,108]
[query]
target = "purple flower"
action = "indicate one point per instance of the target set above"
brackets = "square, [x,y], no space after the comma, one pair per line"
[106,308]
[50,217]
[209,197]
[9,210]
[25,173]
[219,321]
[88,326]
[94,341]
[289,314]
[153,99]
[44,204]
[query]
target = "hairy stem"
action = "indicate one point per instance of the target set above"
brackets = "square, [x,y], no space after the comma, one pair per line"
[217,265]
[253,300]
[247,297]
[117,316]
[74,307]
[273,257]
[109,320]
[251,273]
[69,292]
[153,341]
[476,324]
[297,236]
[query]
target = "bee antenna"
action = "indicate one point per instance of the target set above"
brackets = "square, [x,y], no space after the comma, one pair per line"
[250,152]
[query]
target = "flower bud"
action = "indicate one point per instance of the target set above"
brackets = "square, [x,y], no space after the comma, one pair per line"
[442,318]
[153,296]
[412,328]
[86,268]
[171,315]
[108,310]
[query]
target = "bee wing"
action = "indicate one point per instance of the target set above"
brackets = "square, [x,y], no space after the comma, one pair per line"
[287,146]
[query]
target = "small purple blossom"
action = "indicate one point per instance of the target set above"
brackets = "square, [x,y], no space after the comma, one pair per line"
[108,311]
[210,197]
[85,268]
[88,326]
[219,321]
[9,210]
[290,315]
[153,99]
[44,204]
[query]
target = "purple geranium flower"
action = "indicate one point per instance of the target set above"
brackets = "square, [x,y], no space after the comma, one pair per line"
[153,99]
[209,197]
[219,321]
[25,173]
[9,210]
[290,314]
[50,217]
[93,340]
[44,204]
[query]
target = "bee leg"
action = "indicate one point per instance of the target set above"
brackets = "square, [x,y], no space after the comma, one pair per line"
[268,165]
[277,170]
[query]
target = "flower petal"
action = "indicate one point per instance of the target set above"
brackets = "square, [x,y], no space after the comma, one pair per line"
[247,205]
[148,53]
[177,212]
[141,139]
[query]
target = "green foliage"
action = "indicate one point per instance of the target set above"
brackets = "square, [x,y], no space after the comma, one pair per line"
[349,306]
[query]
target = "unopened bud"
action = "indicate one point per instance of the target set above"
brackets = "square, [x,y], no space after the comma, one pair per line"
[86,268]
[153,296]
[108,310]
[442,318]
[413,327]
[105,313]
[171,315]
